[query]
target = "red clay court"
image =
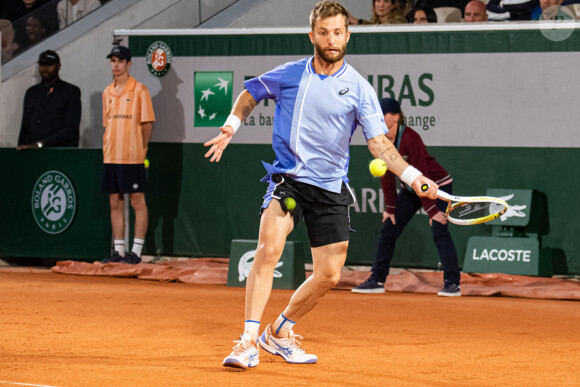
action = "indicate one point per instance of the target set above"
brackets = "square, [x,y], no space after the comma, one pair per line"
[65,330]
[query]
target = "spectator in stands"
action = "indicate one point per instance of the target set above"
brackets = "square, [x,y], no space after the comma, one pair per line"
[422,15]
[475,12]
[18,13]
[35,28]
[52,109]
[384,12]
[501,10]
[16,9]
[401,207]
[128,120]
[69,11]
[551,10]
[8,44]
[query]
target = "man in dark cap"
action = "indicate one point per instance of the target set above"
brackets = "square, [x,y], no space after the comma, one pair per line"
[52,109]
[401,207]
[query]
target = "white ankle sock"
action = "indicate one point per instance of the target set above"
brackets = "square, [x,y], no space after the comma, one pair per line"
[252,327]
[119,246]
[138,246]
[282,327]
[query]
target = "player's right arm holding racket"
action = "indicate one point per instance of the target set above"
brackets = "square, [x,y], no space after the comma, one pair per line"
[413,147]
[241,110]
[382,148]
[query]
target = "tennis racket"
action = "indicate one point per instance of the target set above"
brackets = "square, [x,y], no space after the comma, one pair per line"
[468,210]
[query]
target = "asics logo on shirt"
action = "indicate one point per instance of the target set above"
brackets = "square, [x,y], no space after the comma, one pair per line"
[343,91]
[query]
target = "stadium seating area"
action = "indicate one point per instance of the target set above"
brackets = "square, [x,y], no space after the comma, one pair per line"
[26,23]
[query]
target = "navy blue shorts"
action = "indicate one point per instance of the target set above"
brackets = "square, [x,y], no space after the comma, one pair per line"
[325,213]
[124,178]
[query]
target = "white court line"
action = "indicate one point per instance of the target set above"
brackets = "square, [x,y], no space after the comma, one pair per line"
[25,384]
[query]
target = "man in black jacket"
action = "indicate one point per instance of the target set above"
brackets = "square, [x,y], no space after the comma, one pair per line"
[52,109]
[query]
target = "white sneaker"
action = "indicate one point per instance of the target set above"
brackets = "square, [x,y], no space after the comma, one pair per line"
[287,348]
[245,354]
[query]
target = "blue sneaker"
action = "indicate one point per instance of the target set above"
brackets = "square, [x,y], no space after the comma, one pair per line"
[370,286]
[288,348]
[450,290]
[245,354]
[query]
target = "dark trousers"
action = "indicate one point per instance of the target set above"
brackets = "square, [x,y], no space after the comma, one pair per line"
[407,205]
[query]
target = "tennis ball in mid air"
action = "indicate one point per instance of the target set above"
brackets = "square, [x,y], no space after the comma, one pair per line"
[146,163]
[377,167]
[290,203]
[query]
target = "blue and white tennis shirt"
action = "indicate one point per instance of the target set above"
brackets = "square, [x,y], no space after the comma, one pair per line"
[315,118]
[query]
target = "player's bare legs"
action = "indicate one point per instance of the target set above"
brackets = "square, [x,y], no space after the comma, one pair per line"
[327,264]
[117,215]
[141,215]
[275,225]
[279,338]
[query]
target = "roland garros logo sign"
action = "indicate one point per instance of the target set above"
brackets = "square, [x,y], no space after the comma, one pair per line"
[158,58]
[53,202]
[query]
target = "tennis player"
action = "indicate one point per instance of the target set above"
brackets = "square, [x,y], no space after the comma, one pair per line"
[320,101]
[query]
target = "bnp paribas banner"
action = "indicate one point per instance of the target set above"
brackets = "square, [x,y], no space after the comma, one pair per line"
[472,88]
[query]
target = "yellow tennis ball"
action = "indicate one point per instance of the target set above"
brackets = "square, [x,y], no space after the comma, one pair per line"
[377,167]
[146,162]
[290,203]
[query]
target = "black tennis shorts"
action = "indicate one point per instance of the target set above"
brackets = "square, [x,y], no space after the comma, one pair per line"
[325,213]
[124,178]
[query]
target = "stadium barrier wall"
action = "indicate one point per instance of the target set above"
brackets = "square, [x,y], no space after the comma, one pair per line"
[196,208]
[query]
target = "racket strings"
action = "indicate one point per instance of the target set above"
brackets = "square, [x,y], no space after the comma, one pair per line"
[468,211]
[496,208]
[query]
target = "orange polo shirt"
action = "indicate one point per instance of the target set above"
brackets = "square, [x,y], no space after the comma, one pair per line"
[123,117]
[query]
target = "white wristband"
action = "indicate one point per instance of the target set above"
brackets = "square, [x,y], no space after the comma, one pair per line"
[409,175]
[234,122]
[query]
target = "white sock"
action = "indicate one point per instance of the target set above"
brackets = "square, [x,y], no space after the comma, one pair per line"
[282,327]
[252,327]
[138,246]
[119,246]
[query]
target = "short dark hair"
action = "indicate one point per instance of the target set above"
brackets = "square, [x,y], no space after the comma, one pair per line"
[325,9]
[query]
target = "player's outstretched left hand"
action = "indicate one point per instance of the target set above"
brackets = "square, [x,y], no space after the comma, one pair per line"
[431,193]
[219,143]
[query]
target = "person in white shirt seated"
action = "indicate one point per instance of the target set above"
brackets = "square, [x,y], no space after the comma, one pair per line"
[69,11]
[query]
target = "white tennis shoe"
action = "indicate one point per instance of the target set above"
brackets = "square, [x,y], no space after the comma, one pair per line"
[245,354]
[287,348]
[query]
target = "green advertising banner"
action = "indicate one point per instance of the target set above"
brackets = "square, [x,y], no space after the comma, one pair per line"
[213,96]
[506,255]
[289,272]
[52,205]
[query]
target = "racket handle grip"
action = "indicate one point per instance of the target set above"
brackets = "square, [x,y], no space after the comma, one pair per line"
[425,187]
